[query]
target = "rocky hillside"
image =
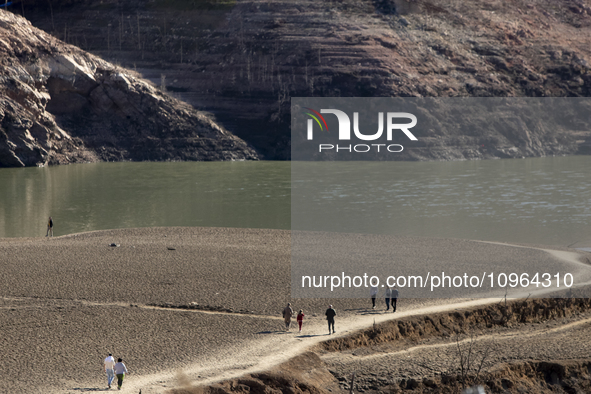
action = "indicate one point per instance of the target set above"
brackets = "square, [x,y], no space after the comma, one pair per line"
[59,104]
[243,59]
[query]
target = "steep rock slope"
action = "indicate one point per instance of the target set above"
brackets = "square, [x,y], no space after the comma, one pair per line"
[244,59]
[59,104]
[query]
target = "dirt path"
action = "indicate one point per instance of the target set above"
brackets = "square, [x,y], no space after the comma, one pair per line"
[274,348]
[148,307]
[497,337]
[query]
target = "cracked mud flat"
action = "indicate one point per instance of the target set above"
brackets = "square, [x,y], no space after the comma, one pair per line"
[205,312]
[66,302]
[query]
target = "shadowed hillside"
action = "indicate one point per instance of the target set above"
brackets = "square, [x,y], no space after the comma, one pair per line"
[61,105]
[243,60]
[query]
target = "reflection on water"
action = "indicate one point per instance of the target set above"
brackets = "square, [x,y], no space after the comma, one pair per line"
[544,200]
[118,195]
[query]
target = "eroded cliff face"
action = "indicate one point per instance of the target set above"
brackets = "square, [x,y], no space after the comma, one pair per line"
[243,60]
[61,105]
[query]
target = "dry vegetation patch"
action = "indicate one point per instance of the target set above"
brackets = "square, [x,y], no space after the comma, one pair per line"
[417,328]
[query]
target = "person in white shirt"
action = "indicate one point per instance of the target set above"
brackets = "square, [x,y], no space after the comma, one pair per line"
[109,366]
[120,371]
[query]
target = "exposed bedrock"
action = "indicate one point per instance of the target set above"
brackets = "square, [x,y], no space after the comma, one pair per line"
[59,105]
[243,60]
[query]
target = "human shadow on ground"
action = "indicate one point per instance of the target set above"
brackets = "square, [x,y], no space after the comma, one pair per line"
[310,335]
[275,332]
[356,310]
[85,389]
[367,310]
[373,312]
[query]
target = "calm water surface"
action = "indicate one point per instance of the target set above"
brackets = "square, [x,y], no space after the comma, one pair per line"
[539,200]
[543,200]
[87,197]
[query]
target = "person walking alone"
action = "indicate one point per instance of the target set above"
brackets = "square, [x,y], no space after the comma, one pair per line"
[388,296]
[287,314]
[330,314]
[109,364]
[49,227]
[394,298]
[373,292]
[300,318]
[120,371]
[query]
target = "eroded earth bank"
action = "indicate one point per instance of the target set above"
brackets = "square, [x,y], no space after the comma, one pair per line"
[521,346]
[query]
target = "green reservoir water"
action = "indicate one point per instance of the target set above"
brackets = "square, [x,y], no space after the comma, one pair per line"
[99,196]
[541,200]
[538,200]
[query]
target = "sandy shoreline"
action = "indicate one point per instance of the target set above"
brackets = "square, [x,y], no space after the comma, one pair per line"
[67,301]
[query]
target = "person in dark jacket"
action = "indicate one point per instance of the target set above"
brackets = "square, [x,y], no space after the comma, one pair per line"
[49,227]
[373,292]
[330,314]
[394,298]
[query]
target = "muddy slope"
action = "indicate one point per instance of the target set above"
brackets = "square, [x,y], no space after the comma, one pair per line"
[59,105]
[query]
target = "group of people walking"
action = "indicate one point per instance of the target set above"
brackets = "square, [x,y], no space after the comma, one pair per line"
[391,297]
[113,369]
[288,314]
[119,369]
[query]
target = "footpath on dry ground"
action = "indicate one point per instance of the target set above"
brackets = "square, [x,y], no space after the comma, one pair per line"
[275,348]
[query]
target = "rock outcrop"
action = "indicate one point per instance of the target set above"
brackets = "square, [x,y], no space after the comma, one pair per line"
[242,60]
[61,105]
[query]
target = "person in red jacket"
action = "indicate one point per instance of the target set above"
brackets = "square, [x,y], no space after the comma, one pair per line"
[300,318]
